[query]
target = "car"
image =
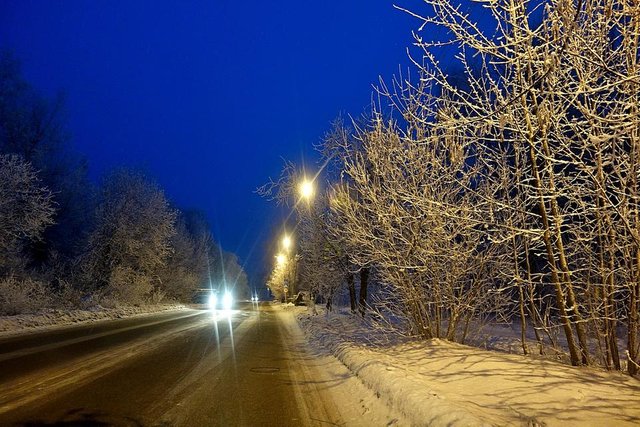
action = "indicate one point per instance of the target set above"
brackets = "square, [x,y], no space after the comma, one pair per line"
[220,303]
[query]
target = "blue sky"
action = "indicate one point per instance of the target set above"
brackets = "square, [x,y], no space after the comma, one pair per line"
[208,96]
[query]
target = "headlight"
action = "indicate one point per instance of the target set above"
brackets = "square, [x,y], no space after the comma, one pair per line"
[227,301]
[213,301]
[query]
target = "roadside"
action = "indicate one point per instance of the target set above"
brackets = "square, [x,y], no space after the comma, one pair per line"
[55,318]
[325,388]
[440,383]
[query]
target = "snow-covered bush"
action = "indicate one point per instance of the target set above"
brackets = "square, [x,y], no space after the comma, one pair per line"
[18,296]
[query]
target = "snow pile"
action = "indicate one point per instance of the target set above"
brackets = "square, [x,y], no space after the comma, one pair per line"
[441,383]
[29,322]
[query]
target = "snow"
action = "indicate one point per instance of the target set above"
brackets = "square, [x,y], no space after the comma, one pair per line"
[53,319]
[328,390]
[442,383]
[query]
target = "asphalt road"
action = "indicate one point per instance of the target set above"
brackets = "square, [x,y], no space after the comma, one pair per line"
[187,368]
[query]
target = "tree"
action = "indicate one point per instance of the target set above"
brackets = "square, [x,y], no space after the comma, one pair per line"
[552,114]
[416,222]
[185,269]
[26,210]
[338,146]
[131,241]
[323,263]
[226,273]
[33,127]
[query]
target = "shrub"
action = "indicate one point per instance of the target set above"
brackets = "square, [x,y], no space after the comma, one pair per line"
[19,296]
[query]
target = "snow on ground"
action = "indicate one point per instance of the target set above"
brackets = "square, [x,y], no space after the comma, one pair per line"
[322,376]
[441,383]
[26,323]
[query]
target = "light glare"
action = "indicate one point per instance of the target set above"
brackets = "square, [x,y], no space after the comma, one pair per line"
[306,189]
[227,301]
[286,242]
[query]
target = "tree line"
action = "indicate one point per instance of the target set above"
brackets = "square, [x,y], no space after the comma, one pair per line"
[66,242]
[508,190]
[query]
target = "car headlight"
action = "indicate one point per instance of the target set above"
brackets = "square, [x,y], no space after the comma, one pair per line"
[213,301]
[227,301]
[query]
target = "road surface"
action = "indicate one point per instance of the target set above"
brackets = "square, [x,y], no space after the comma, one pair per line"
[249,367]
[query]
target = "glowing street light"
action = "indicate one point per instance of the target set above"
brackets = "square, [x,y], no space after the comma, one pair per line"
[306,189]
[286,242]
[281,259]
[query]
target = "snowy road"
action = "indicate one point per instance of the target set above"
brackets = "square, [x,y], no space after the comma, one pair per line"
[188,368]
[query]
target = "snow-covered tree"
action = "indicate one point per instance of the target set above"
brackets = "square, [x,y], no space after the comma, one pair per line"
[26,209]
[34,128]
[418,217]
[550,116]
[323,259]
[131,241]
[185,269]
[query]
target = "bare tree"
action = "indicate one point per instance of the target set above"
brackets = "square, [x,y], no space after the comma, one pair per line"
[419,218]
[324,260]
[553,107]
[26,209]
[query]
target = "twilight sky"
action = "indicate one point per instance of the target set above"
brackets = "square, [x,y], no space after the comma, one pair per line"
[208,96]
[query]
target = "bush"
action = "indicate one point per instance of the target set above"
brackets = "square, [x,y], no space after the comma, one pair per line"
[129,286]
[19,296]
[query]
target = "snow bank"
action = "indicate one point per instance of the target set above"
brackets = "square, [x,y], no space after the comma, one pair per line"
[440,383]
[24,323]
[389,381]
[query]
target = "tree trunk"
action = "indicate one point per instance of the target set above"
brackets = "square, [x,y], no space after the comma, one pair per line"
[330,302]
[364,284]
[352,292]
[551,260]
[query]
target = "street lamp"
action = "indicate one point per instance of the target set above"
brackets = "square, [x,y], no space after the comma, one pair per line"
[306,189]
[286,242]
[281,259]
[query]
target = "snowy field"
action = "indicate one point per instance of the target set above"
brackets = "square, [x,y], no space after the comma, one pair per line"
[439,383]
[26,323]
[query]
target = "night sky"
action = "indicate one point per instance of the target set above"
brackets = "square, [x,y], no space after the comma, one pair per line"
[207,97]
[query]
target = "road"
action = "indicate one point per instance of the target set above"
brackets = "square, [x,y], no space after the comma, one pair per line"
[187,368]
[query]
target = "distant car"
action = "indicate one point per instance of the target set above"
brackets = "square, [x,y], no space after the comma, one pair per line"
[225,302]
[255,298]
